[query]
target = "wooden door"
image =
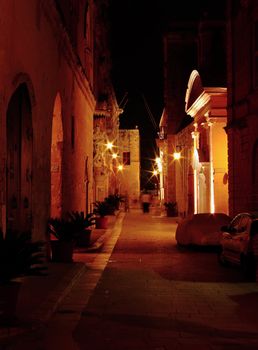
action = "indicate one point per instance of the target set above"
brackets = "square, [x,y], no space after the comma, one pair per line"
[19,161]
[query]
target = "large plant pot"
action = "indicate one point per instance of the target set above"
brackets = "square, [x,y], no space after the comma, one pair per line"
[83,239]
[8,301]
[102,222]
[171,212]
[62,251]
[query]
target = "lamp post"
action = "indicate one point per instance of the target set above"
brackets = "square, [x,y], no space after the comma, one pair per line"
[177,153]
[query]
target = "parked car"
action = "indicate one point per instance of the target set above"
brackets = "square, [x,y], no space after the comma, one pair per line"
[202,229]
[239,242]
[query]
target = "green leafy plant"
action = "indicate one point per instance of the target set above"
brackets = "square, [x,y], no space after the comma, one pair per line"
[62,229]
[20,256]
[68,228]
[102,208]
[81,221]
[170,205]
[114,200]
[171,208]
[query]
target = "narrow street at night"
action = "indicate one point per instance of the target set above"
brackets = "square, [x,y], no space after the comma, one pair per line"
[143,292]
[128,175]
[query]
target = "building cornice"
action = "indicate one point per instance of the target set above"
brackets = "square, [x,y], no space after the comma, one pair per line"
[200,106]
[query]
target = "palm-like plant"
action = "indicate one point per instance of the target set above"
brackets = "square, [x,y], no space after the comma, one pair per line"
[171,208]
[102,208]
[80,221]
[114,200]
[62,229]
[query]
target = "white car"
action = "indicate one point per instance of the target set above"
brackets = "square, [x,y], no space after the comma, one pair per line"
[239,242]
[202,229]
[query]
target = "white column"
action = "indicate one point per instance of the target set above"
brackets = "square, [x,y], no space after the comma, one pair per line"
[212,204]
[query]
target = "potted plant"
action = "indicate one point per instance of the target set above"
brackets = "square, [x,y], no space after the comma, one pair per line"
[62,240]
[101,209]
[19,256]
[171,208]
[114,201]
[82,227]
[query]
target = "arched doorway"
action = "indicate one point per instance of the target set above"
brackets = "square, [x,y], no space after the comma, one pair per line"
[56,160]
[19,161]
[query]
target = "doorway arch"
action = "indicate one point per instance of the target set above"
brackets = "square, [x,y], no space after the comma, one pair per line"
[19,134]
[56,159]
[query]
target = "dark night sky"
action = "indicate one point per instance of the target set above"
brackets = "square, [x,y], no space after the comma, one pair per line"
[137,58]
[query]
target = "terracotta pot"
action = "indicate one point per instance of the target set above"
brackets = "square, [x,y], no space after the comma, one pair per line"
[171,212]
[102,222]
[8,301]
[62,251]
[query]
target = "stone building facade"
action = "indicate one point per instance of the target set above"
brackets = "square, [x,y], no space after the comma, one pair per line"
[128,178]
[105,144]
[191,48]
[242,126]
[50,81]
[202,164]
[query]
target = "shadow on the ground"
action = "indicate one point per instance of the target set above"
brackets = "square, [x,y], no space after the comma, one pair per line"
[132,326]
[247,304]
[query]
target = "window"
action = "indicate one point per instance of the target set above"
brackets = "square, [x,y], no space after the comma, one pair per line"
[126,158]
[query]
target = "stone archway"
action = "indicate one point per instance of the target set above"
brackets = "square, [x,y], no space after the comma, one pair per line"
[56,159]
[19,161]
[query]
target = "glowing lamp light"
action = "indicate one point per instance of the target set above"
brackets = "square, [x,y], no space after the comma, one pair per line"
[159,163]
[109,145]
[120,167]
[114,155]
[155,172]
[177,155]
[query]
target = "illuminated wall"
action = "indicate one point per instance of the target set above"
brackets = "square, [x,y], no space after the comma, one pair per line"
[128,179]
[220,165]
[202,170]
[48,56]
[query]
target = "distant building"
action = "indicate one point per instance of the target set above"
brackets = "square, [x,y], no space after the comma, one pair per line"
[128,175]
[105,143]
[201,160]
[192,139]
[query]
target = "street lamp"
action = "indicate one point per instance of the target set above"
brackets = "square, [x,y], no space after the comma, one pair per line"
[109,145]
[177,153]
